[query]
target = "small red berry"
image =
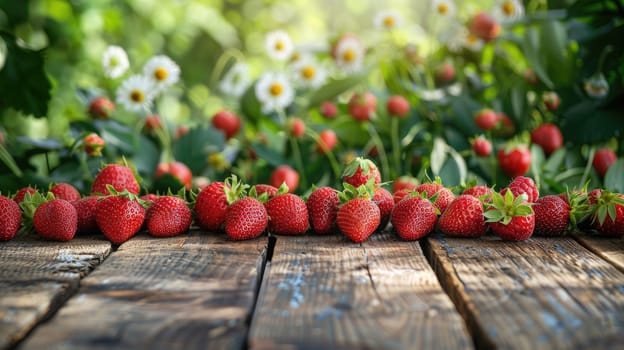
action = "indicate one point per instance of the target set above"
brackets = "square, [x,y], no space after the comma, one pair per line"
[514,161]
[486,119]
[551,100]
[481,146]
[548,136]
[285,174]
[329,110]
[101,107]
[397,106]
[444,73]
[603,159]
[327,141]
[178,170]
[362,106]
[152,123]
[93,144]
[296,127]
[484,26]
[227,122]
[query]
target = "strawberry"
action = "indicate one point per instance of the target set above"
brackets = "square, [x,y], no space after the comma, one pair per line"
[444,73]
[397,106]
[404,182]
[514,160]
[56,220]
[178,170]
[510,217]
[362,106]
[210,206]
[180,131]
[327,141]
[359,171]
[285,174]
[504,125]
[168,216]
[603,159]
[101,107]
[358,216]
[413,217]
[85,209]
[530,77]
[228,122]
[149,198]
[119,217]
[288,214]
[481,146]
[271,191]
[322,209]
[19,196]
[463,218]
[548,136]
[607,212]
[400,194]
[65,191]
[93,144]
[480,191]
[484,26]
[486,119]
[296,127]
[522,184]
[552,216]
[444,195]
[385,201]
[329,110]
[246,218]
[551,100]
[119,176]
[152,123]
[10,218]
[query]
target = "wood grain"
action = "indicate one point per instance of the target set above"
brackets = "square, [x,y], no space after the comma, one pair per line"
[187,292]
[542,293]
[326,292]
[37,276]
[610,249]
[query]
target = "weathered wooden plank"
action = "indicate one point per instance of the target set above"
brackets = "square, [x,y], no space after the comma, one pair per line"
[610,249]
[542,293]
[326,292]
[187,292]
[37,276]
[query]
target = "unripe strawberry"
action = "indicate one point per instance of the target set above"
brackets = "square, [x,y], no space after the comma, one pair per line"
[327,141]
[285,174]
[329,110]
[228,122]
[296,127]
[530,77]
[362,106]
[101,107]
[152,123]
[180,131]
[93,144]
[397,106]
[551,100]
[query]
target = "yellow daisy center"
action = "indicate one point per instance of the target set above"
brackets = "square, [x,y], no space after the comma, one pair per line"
[137,96]
[308,72]
[160,74]
[113,62]
[276,89]
[295,57]
[389,22]
[472,39]
[508,8]
[443,8]
[279,45]
[348,55]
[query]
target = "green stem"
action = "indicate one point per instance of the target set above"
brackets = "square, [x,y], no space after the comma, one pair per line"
[299,163]
[228,54]
[5,156]
[396,147]
[84,166]
[588,166]
[382,152]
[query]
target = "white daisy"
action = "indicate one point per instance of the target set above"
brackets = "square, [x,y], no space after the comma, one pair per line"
[274,92]
[308,73]
[349,54]
[388,19]
[445,8]
[472,42]
[115,62]
[136,93]
[508,10]
[278,45]
[236,80]
[162,71]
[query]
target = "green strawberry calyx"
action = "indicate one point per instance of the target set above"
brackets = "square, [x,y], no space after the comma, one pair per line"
[350,192]
[125,193]
[234,189]
[358,162]
[504,208]
[30,204]
[580,207]
[605,205]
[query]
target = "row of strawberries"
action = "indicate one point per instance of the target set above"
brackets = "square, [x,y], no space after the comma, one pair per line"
[361,208]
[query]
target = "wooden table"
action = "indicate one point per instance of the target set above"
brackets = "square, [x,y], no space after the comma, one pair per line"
[201,290]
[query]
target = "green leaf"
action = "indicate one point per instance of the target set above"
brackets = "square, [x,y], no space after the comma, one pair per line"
[333,88]
[532,49]
[555,161]
[270,155]
[24,84]
[603,124]
[614,178]
[438,155]
[193,148]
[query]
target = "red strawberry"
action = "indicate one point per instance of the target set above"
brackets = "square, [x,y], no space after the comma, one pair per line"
[444,73]
[384,200]
[65,191]
[480,191]
[10,218]
[397,106]
[481,146]
[322,209]
[285,174]
[359,171]
[548,136]
[119,176]
[413,217]
[362,106]
[486,119]
[101,107]
[504,125]
[484,26]
[358,219]
[119,217]
[152,123]
[608,212]
[445,196]
[93,144]
[510,217]
[210,206]
[603,159]
[56,220]
[523,185]
[296,127]
[288,214]
[327,141]
[530,77]
[552,216]
[149,198]
[168,216]
[551,100]
[246,218]
[178,170]
[227,122]
[328,110]
[515,160]
[400,194]
[180,131]
[463,218]
[85,209]
[271,191]
[19,196]
[404,182]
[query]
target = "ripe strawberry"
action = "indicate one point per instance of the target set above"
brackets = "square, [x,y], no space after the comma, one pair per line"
[510,217]
[19,196]
[522,184]
[329,110]
[119,176]
[362,106]
[515,160]
[10,218]
[486,119]
[227,122]
[400,194]
[404,183]
[463,218]
[296,127]
[178,170]
[445,196]
[322,209]
[149,198]
[504,125]
[397,106]
[413,217]
[444,73]
[484,26]
[359,171]
[210,206]
[481,146]
[384,200]
[168,216]
[152,123]
[93,144]
[65,191]
[180,131]
[551,100]
[288,214]
[548,136]
[85,210]
[271,191]
[101,107]
[327,141]
[56,220]
[246,218]
[480,191]
[285,174]
[608,212]
[552,216]
[358,219]
[119,217]
[603,159]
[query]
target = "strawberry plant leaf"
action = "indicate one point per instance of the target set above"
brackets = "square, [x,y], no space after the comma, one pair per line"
[614,178]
